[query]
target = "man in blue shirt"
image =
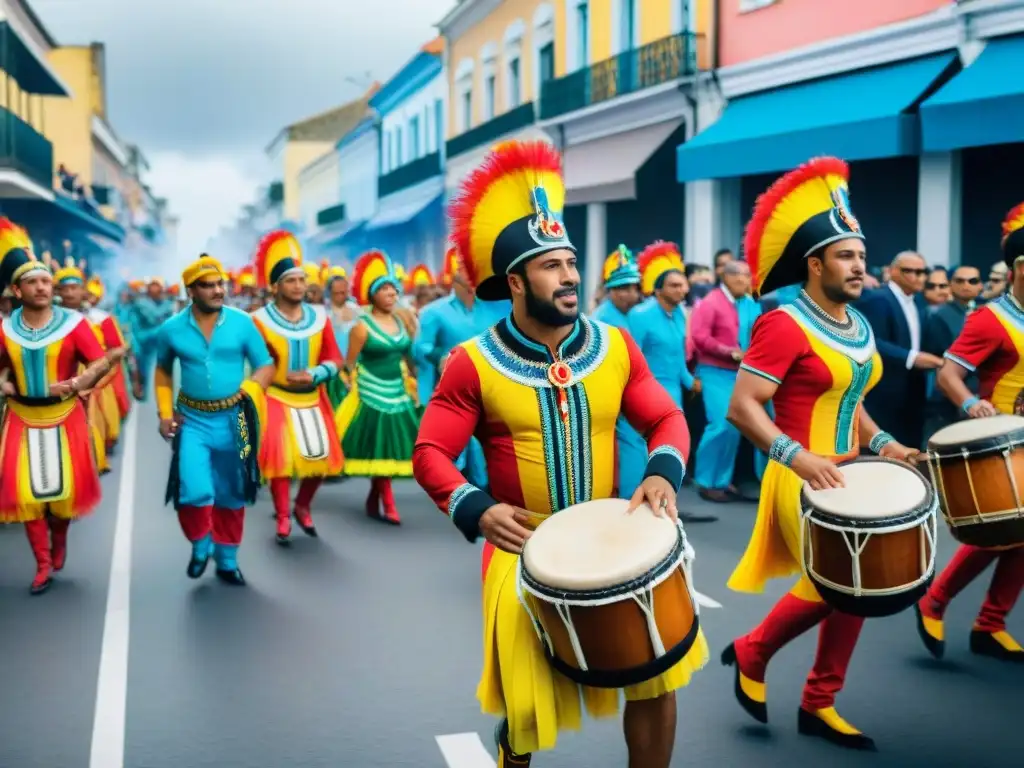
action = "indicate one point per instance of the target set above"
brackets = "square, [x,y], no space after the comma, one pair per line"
[622,293]
[216,430]
[148,313]
[444,324]
[658,326]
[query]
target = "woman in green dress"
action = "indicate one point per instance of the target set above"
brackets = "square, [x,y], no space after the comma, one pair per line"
[378,419]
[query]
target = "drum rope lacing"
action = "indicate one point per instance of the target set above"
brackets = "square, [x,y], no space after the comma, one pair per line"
[935,470]
[928,522]
[644,601]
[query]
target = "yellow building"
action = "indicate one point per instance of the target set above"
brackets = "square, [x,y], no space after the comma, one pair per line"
[630,79]
[300,144]
[497,55]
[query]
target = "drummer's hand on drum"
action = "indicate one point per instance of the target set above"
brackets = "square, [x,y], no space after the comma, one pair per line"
[899,451]
[505,527]
[658,494]
[982,410]
[818,471]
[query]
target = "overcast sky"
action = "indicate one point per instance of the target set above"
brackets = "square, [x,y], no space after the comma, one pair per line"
[203,86]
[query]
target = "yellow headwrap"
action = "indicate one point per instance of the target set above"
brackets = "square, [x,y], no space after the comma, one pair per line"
[204,267]
[70,272]
[95,287]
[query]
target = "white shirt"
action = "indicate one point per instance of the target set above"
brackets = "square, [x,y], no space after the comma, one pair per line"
[913,321]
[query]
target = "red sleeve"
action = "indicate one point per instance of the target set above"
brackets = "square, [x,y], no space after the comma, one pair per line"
[776,342]
[448,423]
[329,352]
[981,336]
[652,412]
[112,335]
[87,346]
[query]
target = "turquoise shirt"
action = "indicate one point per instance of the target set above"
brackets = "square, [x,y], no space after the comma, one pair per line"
[609,314]
[661,337]
[147,316]
[216,369]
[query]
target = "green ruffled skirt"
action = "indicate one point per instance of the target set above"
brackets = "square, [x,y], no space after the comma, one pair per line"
[378,434]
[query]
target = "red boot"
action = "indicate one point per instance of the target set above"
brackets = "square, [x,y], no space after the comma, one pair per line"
[303,500]
[388,498]
[39,539]
[373,499]
[59,539]
[280,492]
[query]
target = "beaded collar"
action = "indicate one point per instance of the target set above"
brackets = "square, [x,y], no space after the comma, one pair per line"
[853,338]
[61,323]
[517,357]
[311,323]
[1008,306]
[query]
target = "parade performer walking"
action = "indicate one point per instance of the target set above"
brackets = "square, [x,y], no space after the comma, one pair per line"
[149,311]
[379,419]
[622,293]
[343,313]
[299,439]
[814,360]
[44,424]
[214,471]
[991,347]
[113,338]
[542,390]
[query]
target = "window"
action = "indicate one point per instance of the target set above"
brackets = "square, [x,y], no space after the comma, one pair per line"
[489,87]
[547,62]
[385,156]
[439,122]
[397,159]
[582,33]
[414,138]
[515,87]
[467,109]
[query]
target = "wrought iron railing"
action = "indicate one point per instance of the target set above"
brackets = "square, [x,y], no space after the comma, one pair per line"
[330,215]
[513,120]
[406,175]
[24,149]
[661,61]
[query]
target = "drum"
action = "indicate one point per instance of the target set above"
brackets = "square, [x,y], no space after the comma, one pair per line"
[977,468]
[609,593]
[869,547]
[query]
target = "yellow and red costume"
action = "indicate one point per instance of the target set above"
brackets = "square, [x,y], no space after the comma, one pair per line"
[991,346]
[547,426]
[112,337]
[47,466]
[823,370]
[299,438]
[418,275]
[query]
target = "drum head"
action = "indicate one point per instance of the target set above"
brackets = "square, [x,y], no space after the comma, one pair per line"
[875,490]
[595,545]
[997,430]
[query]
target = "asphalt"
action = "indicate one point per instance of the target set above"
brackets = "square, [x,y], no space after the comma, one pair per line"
[360,648]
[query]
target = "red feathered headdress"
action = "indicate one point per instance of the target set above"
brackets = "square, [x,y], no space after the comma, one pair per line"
[655,260]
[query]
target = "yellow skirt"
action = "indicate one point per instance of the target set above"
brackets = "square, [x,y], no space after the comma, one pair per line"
[111,412]
[518,682]
[774,548]
[98,431]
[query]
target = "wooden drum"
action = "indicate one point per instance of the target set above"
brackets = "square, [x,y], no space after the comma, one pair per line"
[869,548]
[610,593]
[977,468]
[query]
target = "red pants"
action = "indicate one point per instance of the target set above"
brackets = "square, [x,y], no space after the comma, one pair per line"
[789,619]
[226,525]
[281,490]
[966,565]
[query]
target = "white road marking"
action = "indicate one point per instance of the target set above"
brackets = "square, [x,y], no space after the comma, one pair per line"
[706,602]
[108,728]
[463,750]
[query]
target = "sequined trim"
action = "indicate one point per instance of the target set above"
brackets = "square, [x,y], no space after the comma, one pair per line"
[759,372]
[457,496]
[515,365]
[858,344]
[567,446]
[60,324]
[961,362]
[1007,306]
[668,450]
[313,321]
[851,399]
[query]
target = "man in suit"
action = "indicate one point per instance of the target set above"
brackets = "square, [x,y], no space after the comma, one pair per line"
[941,328]
[896,313]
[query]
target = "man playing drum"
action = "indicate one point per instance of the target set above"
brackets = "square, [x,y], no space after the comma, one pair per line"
[814,360]
[542,390]
[991,345]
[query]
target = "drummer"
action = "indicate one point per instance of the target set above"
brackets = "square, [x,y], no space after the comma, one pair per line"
[814,359]
[542,390]
[991,345]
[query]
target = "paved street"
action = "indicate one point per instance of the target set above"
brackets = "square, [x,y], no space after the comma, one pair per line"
[361,648]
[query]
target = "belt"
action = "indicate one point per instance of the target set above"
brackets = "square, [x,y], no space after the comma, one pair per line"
[34,401]
[210,406]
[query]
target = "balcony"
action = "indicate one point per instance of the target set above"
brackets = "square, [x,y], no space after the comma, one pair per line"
[101,194]
[513,120]
[409,174]
[25,150]
[656,63]
[330,215]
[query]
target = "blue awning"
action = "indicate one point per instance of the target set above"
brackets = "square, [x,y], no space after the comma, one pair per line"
[89,219]
[857,116]
[982,105]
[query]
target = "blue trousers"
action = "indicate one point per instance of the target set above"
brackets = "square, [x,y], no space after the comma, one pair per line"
[211,471]
[632,457]
[145,358]
[471,463]
[716,454]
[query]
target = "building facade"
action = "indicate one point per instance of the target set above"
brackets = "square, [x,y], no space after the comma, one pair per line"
[319,188]
[884,89]
[409,223]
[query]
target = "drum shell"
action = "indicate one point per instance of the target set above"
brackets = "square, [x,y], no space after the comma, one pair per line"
[990,478]
[615,637]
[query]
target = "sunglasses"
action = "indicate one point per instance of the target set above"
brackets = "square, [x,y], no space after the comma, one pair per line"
[933,286]
[968,280]
[917,272]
